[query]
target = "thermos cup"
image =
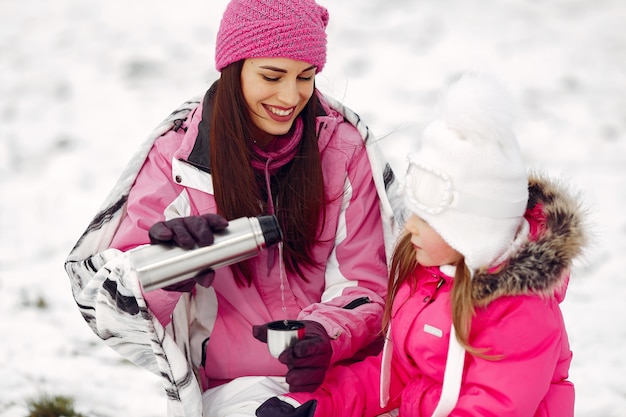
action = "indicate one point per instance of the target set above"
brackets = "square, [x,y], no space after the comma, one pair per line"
[158,266]
[282,334]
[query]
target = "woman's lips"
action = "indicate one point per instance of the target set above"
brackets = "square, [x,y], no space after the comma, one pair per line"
[279,114]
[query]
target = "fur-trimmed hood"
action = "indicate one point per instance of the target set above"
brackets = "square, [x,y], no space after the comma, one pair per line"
[541,263]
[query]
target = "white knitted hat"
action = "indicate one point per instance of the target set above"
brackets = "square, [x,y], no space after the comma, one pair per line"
[468,180]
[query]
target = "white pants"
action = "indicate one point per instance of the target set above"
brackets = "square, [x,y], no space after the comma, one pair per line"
[242,396]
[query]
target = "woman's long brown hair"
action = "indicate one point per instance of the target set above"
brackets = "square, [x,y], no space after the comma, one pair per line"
[403,264]
[298,188]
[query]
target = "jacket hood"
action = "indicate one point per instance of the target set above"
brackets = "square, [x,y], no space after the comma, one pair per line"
[541,263]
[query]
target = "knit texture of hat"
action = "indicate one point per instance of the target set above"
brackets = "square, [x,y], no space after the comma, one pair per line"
[294,29]
[468,180]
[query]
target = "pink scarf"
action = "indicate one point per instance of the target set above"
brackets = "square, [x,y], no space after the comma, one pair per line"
[280,151]
[276,155]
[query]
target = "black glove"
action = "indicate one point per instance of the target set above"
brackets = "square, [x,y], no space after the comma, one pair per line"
[187,233]
[278,408]
[307,360]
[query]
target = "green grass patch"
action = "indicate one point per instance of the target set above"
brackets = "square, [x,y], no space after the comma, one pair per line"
[52,406]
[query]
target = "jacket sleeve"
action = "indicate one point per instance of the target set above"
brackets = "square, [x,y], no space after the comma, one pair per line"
[528,332]
[154,197]
[109,297]
[348,391]
[356,272]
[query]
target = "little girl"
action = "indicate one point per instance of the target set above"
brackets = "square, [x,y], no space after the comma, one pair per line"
[472,317]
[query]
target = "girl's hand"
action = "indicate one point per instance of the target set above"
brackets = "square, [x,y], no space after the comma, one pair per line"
[275,407]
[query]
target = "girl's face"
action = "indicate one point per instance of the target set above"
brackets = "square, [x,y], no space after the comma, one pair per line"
[276,90]
[430,248]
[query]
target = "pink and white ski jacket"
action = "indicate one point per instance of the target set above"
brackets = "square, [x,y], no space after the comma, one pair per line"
[518,318]
[207,335]
[345,294]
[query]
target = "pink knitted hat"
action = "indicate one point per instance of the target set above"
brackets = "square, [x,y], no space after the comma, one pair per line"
[292,29]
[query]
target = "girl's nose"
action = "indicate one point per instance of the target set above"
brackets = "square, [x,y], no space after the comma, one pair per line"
[412,225]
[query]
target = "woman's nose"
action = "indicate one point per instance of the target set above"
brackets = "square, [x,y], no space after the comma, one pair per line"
[288,93]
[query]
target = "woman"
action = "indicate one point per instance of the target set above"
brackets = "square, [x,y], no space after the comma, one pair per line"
[263,140]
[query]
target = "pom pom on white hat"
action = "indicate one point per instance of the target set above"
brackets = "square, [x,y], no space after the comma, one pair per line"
[468,180]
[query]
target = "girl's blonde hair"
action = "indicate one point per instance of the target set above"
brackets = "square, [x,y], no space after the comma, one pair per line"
[403,265]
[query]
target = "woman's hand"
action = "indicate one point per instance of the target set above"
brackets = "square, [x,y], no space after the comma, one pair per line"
[187,233]
[307,360]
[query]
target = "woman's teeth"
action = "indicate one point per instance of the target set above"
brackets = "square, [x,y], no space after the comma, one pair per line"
[280,112]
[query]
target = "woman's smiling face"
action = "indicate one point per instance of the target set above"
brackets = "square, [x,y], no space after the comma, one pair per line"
[276,90]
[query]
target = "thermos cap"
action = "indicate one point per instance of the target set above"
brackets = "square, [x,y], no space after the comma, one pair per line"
[271,229]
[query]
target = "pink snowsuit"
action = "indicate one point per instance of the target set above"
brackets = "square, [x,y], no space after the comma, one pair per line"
[518,318]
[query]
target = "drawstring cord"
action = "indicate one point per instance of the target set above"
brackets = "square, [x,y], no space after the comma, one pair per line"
[271,256]
[277,154]
[268,187]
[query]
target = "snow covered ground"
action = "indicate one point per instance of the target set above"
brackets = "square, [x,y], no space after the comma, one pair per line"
[82,82]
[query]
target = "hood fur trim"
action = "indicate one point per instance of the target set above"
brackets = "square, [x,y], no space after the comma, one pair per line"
[539,266]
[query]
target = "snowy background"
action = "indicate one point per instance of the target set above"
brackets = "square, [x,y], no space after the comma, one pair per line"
[82,82]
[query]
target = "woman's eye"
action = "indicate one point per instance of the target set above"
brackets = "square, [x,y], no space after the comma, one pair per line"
[309,78]
[270,79]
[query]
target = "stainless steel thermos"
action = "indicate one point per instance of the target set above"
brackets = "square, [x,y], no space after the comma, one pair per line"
[158,266]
